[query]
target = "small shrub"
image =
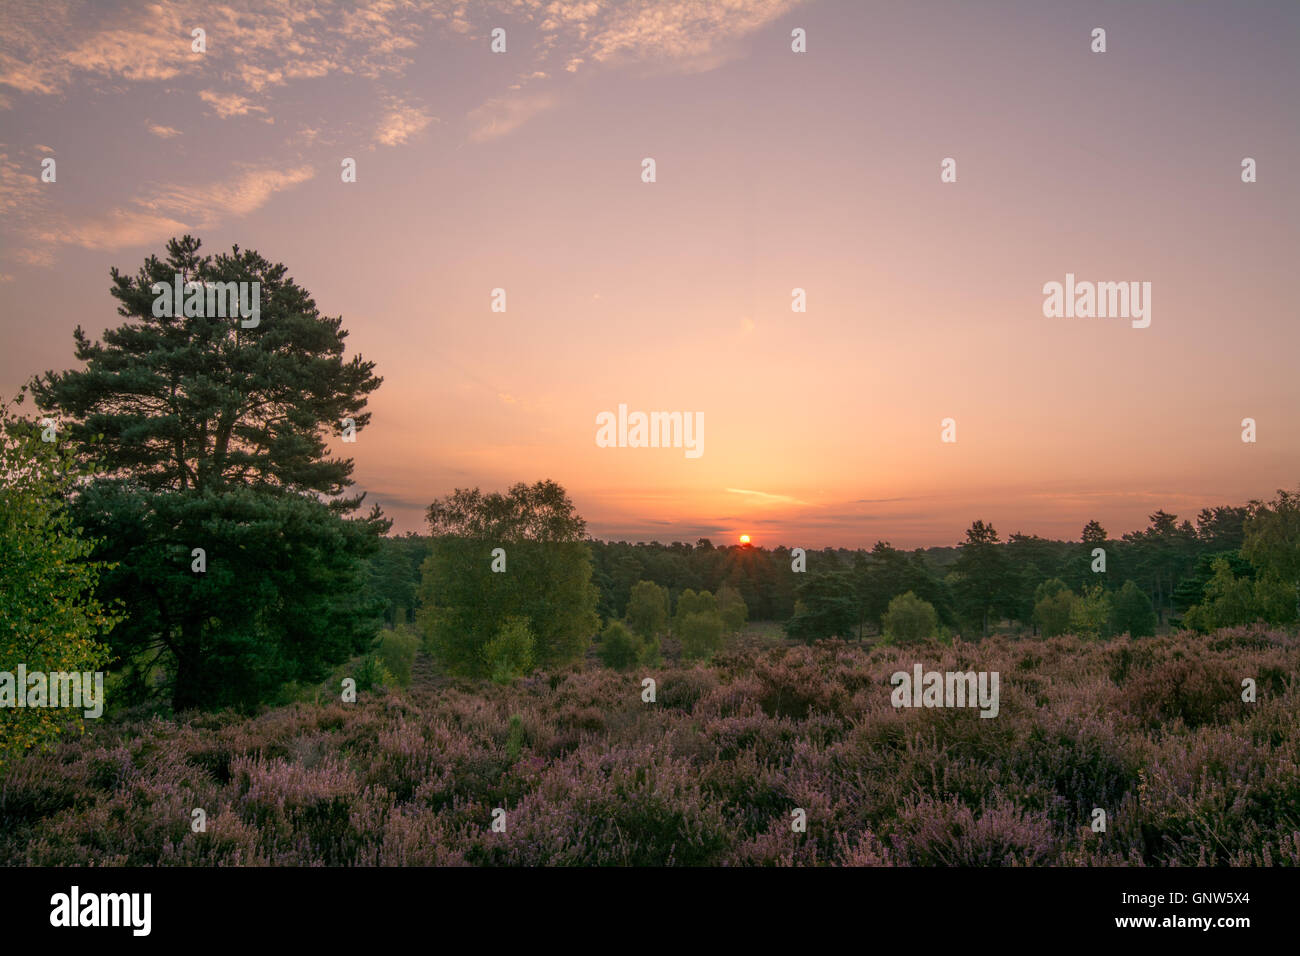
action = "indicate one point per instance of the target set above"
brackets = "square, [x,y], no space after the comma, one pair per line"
[515,739]
[1090,613]
[701,634]
[732,608]
[1132,612]
[1052,612]
[396,649]
[910,619]
[509,655]
[372,674]
[647,609]
[619,647]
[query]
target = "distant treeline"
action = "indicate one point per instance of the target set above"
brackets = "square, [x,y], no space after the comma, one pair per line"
[1035,582]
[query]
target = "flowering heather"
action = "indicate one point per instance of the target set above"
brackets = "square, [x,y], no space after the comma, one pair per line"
[1153,731]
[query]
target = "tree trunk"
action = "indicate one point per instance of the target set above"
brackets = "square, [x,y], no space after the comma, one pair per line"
[187,691]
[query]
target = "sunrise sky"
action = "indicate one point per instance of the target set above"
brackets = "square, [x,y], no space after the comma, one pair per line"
[775,170]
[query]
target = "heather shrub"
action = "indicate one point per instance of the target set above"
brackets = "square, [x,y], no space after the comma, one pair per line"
[681,689]
[863,849]
[1152,729]
[778,845]
[1127,659]
[736,697]
[947,833]
[1077,762]
[1194,691]
[794,683]
[598,807]
[1251,636]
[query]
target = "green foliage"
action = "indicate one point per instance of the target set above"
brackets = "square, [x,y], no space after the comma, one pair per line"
[1090,613]
[826,607]
[692,602]
[1094,535]
[371,674]
[547,581]
[909,619]
[986,582]
[1052,611]
[394,575]
[701,634]
[1190,589]
[651,655]
[698,624]
[731,607]
[1229,600]
[885,573]
[510,654]
[619,647]
[761,576]
[214,437]
[1272,542]
[515,738]
[50,619]
[647,609]
[280,599]
[397,649]
[1132,612]
[1048,588]
[1159,556]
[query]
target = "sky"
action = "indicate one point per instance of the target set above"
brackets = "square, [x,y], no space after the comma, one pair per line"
[774,170]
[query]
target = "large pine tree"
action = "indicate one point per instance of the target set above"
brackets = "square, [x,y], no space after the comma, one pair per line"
[212,435]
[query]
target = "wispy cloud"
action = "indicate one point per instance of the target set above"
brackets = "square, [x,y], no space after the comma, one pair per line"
[256,46]
[504,114]
[401,123]
[20,187]
[227,105]
[255,51]
[239,195]
[114,229]
[766,497]
[169,211]
[580,35]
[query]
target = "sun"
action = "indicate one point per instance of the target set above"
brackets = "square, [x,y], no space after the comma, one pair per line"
[744,539]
